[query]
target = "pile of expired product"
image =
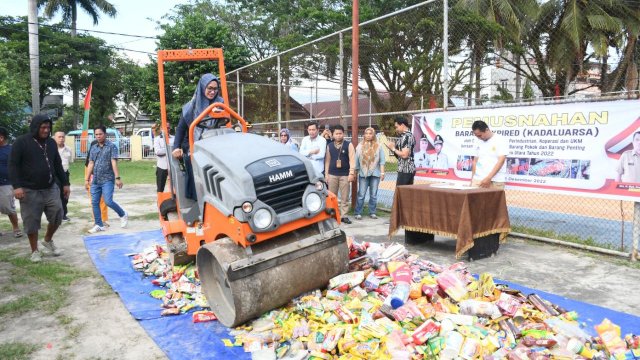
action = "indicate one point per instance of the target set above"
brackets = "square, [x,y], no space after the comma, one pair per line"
[395,305]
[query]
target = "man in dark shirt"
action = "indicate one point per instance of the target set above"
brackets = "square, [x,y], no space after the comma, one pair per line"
[402,149]
[34,166]
[339,169]
[7,203]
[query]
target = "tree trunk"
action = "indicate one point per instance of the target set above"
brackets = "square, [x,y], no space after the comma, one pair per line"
[471,74]
[616,77]
[74,80]
[287,100]
[344,95]
[632,78]
[479,53]
[34,56]
[516,59]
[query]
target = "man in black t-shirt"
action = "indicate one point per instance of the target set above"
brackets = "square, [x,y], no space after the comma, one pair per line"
[402,149]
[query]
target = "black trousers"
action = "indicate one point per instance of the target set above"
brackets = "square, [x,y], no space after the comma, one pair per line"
[161,178]
[65,201]
[405,178]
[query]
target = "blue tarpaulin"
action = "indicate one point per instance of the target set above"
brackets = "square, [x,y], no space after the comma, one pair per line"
[180,338]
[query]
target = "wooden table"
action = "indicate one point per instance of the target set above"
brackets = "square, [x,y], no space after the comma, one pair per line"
[464,215]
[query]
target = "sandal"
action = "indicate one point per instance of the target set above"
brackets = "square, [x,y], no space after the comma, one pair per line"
[17,234]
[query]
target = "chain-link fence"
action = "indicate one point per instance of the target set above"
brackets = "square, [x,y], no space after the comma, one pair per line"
[422,58]
[122,143]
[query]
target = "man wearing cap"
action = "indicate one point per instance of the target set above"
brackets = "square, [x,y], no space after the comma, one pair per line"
[34,168]
[438,160]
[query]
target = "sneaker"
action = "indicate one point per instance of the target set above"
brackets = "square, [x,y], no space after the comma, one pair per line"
[36,257]
[373,216]
[358,217]
[346,220]
[124,220]
[49,245]
[66,218]
[96,229]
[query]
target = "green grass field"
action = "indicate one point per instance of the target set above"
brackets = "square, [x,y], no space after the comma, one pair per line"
[132,172]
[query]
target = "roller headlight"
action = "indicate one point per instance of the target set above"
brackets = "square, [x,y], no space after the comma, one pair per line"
[262,219]
[313,202]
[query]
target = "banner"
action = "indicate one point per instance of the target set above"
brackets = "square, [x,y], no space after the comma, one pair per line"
[588,149]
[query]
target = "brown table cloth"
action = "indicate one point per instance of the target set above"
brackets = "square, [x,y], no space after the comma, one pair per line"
[464,215]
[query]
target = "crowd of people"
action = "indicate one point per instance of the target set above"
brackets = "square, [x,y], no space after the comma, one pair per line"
[35,169]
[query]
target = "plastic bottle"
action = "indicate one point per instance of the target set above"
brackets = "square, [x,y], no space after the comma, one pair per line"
[400,294]
[577,347]
[567,329]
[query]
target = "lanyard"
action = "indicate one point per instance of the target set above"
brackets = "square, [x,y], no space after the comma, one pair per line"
[46,157]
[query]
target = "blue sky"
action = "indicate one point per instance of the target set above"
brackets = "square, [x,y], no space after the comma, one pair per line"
[134,17]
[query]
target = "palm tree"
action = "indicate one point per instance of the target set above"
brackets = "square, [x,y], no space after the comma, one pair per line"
[69,10]
[508,15]
[597,25]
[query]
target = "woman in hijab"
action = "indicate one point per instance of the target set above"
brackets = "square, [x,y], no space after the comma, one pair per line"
[285,138]
[207,92]
[370,167]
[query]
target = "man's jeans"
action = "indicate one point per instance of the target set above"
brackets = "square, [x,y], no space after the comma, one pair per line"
[371,182]
[106,191]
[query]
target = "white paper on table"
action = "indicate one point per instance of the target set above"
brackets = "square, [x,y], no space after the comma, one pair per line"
[453,186]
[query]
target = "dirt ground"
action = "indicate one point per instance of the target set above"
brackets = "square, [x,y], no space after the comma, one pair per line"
[94,324]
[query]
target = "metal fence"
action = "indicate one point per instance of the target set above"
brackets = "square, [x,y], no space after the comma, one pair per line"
[123,144]
[458,54]
[148,152]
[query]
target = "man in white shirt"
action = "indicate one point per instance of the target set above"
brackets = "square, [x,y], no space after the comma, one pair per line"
[314,147]
[489,163]
[162,163]
[65,156]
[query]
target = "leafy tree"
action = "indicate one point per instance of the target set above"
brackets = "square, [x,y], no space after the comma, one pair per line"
[65,122]
[14,93]
[185,30]
[527,92]
[69,10]
[267,27]
[503,95]
[405,56]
